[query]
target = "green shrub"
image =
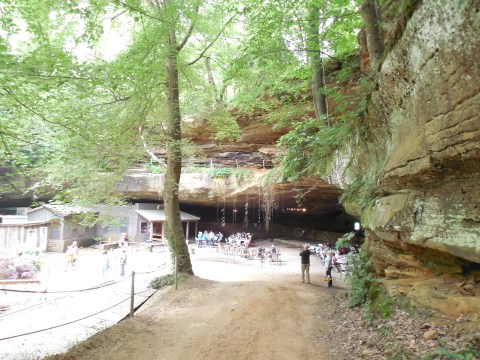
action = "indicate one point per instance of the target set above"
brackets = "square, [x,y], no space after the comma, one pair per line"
[225,172]
[154,168]
[360,278]
[380,305]
[344,240]
[224,125]
[365,290]
[162,281]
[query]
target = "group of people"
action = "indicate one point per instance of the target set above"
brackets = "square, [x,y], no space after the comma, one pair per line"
[108,256]
[305,264]
[206,238]
[240,239]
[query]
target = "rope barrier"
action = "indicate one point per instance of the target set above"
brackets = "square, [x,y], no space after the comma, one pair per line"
[31,307]
[111,282]
[73,321]
[67,323]
[164,266]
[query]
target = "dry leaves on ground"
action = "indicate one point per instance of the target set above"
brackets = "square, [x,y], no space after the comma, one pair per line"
[401,337]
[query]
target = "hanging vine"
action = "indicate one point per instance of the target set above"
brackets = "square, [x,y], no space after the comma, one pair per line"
[269,201]
[234,211]
[224,196]
[269,204]
[245,219]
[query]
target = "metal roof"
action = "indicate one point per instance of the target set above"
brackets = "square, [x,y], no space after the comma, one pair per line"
[159,215]
[64,210]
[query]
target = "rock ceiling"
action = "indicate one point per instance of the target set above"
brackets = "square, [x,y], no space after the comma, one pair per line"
[257,152]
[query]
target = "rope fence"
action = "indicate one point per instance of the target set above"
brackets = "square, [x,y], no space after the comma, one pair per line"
[80,291]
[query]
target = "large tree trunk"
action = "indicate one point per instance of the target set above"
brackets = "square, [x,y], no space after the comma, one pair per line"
[176,237]
[313,51]
[211,80]
[372,30]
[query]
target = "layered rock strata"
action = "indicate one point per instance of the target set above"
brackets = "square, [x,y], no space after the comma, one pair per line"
[429,100]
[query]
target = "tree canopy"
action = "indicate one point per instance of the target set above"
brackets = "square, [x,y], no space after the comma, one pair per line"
[88,86]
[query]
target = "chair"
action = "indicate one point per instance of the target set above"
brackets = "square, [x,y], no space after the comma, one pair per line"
[336,267]
[275,259]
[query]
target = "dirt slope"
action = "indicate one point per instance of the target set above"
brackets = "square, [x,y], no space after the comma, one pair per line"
[242,309]
[204,319]
[269,314]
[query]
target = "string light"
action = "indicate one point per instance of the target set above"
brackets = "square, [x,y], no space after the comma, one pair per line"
[297,209]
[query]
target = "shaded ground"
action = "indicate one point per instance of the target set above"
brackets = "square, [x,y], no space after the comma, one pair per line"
[250,311]
[242,309]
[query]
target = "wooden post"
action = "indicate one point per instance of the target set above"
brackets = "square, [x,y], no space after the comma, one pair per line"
[132,294]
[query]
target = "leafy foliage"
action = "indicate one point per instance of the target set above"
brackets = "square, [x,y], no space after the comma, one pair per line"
[166,280]
[362,191]
[216,172]
[311,147]
[365,291]
[79,131]
[162,281]
[154,167]
[344,240]
[458,354]
[272,57]
[360,278]
[224,125]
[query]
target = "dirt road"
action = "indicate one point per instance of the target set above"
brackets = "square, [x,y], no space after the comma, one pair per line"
[251,311]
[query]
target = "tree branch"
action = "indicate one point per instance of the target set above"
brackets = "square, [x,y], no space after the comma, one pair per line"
[111,102]
[189,32]
[2,133]
[138,10]
[14,187]
[9,152]
[53,122]
[213,41]
[150,152]
[339,16]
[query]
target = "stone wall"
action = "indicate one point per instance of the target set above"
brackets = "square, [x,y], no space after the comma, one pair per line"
[428,102]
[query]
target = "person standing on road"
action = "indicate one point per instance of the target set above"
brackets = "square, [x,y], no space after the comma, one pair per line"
[123,262]
[329,266]
[105,262]
[305,255]
[75,251]
[70,256]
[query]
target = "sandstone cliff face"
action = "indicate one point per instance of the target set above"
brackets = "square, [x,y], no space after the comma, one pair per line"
[427,104]
[195,188]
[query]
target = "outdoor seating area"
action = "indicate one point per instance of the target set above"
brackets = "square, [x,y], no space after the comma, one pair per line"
[339,257]
[250,252]
[236,250]
[116,242]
